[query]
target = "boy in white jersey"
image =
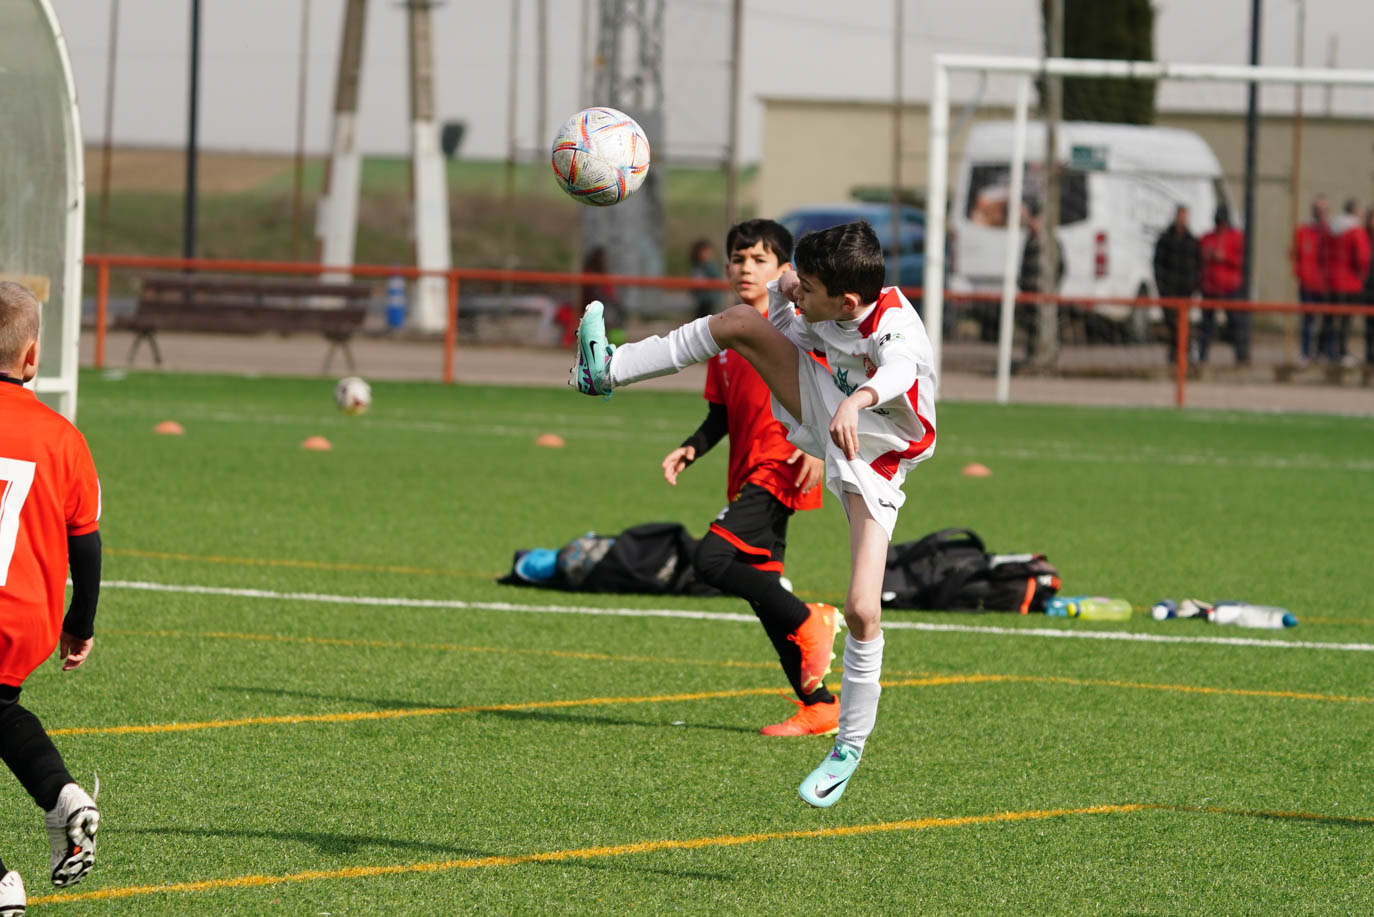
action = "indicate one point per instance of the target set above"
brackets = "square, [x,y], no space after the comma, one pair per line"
[870,414]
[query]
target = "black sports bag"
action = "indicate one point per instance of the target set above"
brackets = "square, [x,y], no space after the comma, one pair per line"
[951,570]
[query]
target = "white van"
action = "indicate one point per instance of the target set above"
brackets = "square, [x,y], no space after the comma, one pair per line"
[1120,186]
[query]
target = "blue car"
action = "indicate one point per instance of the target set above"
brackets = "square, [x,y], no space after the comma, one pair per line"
[906,261]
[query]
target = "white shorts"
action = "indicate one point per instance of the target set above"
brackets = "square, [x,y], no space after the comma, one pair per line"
[878,436]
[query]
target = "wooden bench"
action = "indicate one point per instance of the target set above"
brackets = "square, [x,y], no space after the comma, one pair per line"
[246,305]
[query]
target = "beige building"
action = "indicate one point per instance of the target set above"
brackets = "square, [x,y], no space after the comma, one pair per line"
[819,152]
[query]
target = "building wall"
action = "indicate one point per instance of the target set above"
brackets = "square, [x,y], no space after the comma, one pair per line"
[818,151]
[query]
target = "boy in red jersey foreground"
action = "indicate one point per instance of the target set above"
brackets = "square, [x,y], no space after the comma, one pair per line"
[49,518]
[769,479]
[870,413]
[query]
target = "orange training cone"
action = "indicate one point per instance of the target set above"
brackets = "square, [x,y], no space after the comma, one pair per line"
[549,441]
[317,444]
[976,470]
[169,428]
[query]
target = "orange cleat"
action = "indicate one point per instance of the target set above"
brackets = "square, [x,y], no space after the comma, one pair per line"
[815,720]
[816,638]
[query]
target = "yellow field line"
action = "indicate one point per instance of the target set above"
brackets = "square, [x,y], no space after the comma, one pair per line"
[301,564]
[402,713]
[926,677]
[656,846]
[429,647]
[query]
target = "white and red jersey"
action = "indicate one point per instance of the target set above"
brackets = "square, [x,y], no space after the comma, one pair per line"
[885,348]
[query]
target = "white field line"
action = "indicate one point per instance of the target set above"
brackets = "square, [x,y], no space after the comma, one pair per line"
[687,614]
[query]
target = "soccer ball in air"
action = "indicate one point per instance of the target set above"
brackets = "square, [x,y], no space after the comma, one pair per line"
[600,156]
[352,395]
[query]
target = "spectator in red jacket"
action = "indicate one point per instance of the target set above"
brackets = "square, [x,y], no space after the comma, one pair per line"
[1347,265]
[1223,277]
[1368,298]
[1308,255]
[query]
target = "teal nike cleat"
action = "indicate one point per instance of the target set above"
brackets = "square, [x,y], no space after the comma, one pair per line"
[824,786]
[592,371]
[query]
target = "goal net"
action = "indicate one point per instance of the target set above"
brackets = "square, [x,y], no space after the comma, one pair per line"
[41,186]
[1135,211]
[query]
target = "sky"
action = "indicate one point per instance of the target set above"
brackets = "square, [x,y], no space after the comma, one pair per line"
[794,48]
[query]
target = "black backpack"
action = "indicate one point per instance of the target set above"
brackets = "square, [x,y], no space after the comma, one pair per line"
[654,558]
[951,570]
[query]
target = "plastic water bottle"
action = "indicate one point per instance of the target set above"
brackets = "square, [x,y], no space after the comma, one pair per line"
[1089,608]
[395,302]
[1243,614]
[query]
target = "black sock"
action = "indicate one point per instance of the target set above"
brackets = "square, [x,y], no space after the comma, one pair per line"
[28,751]
[779,611]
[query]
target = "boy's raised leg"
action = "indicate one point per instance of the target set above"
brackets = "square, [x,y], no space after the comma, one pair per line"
[601,368]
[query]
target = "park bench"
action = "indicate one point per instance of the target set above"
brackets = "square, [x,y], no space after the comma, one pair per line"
[246,305]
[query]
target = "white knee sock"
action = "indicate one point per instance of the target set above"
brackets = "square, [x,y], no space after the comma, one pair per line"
[860,689]
[659,356]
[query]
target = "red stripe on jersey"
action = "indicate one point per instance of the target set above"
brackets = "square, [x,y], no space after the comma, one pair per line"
[887,463]
[889,299]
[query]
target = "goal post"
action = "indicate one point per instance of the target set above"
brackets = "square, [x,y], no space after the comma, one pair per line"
[1018,158]
[42,182]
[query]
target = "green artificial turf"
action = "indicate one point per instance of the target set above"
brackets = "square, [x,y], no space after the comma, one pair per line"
[306,756]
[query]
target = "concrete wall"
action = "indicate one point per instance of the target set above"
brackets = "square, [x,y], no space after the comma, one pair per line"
[818,151]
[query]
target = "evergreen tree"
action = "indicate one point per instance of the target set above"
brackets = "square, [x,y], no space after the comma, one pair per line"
[1106,30]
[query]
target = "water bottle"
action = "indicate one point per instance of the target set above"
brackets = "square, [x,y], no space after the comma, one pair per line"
[1089,608]
[1243,614]
[395,302]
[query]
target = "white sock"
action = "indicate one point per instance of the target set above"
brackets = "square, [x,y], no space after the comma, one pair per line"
[859,690]
[658,356]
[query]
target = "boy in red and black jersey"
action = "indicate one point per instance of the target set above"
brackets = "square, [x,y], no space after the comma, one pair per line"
[49,522]
[769,480]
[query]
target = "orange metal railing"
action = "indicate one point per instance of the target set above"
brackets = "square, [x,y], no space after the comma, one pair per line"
[102,264]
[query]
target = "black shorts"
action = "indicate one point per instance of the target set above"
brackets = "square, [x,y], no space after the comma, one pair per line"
[755,524]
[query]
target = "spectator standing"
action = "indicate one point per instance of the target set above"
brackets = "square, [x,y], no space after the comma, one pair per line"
[1028,277]
[1308,256]
[1178,269]
[1347,267]
[702,258]
[1368,297]
[1222,252]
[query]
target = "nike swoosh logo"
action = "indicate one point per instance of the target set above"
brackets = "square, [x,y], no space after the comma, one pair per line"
[822,793]
[591,345]
[888,505]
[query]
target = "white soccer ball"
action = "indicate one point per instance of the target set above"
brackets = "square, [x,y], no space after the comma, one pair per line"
[600,156]
[352,395]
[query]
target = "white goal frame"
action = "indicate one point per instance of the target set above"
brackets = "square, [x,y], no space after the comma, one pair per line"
[937,182]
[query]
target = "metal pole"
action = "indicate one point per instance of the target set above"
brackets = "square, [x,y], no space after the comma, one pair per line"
[343,173]
[508,234]
[732,116]
[894,268]
[1047,341]
[541,82]
[188,231]
[1290,330]
[584,91]
[298,179]
[937,181]
[1251,145]
[109,127]
[1006,326]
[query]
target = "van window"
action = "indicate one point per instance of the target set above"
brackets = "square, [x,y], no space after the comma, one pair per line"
[989,183]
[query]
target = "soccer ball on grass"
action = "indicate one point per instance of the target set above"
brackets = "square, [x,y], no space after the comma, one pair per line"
[600,156]
[353,395]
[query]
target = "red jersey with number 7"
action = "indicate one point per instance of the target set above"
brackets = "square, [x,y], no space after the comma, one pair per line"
[759,449]
[48,490]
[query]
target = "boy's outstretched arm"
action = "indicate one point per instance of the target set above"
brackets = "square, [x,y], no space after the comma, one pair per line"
[711,431]
[78,627]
